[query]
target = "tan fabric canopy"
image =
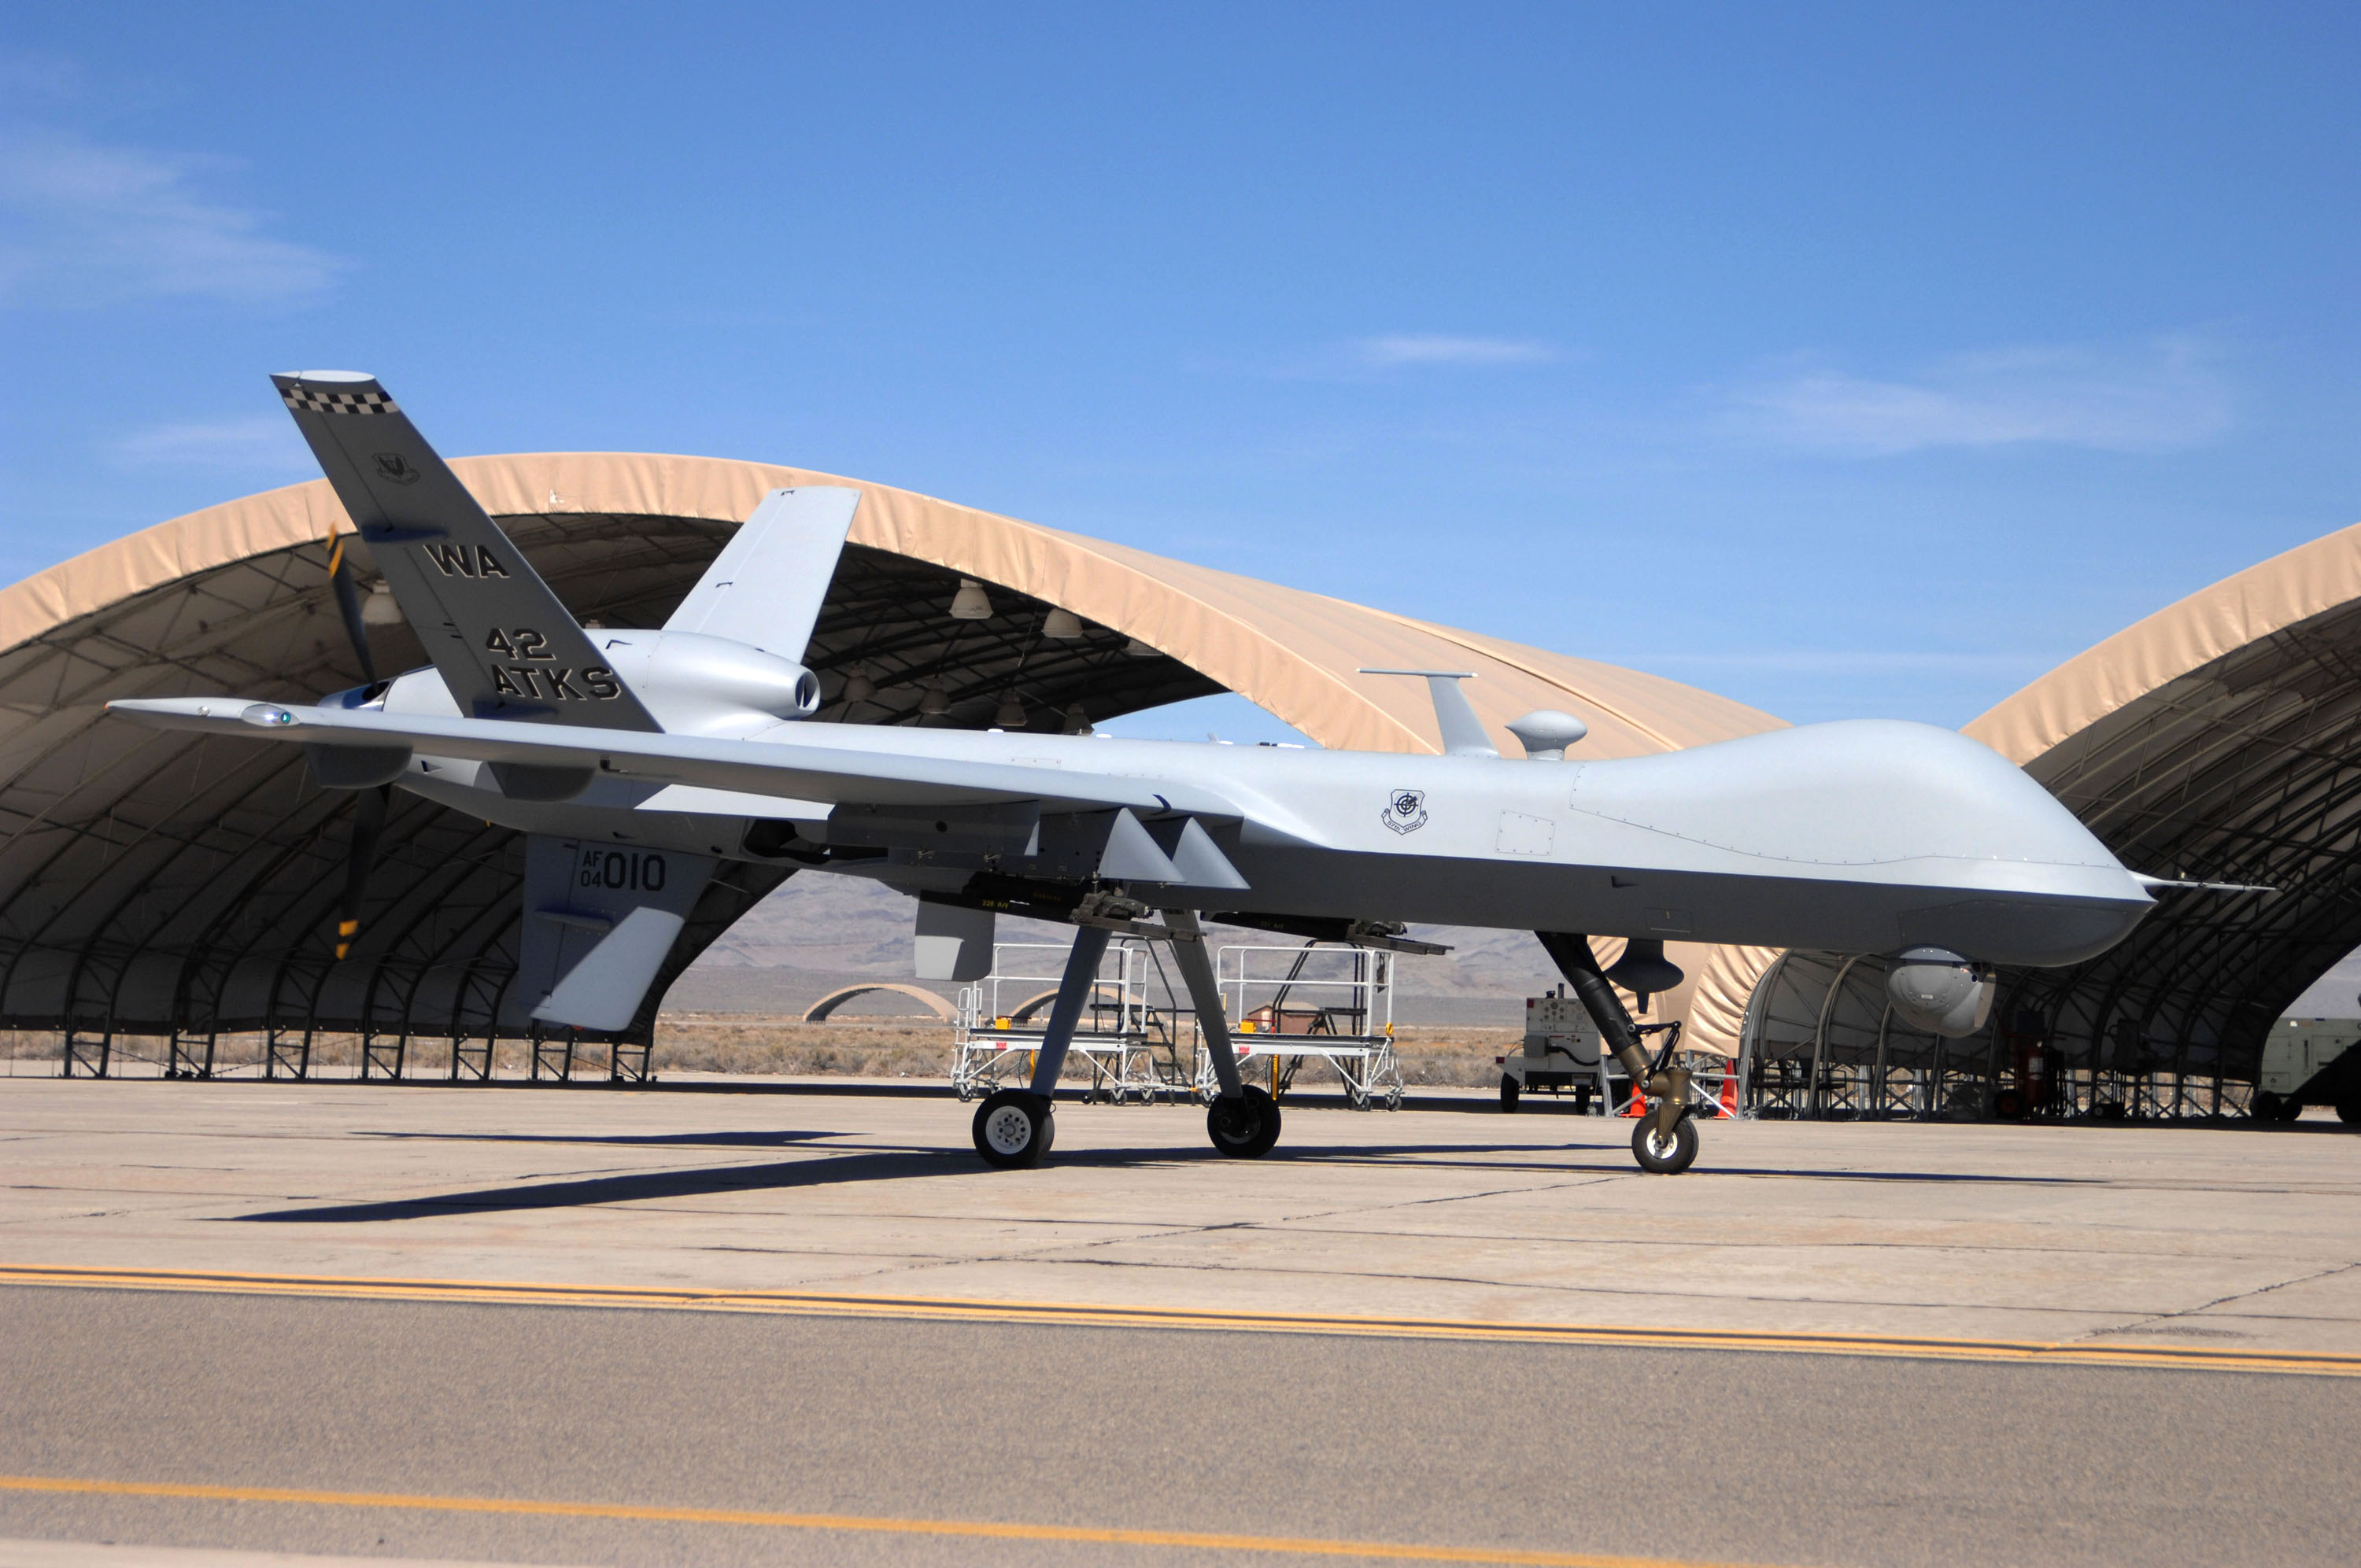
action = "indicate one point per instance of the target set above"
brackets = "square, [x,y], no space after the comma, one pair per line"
[1291,652]
[2135,666]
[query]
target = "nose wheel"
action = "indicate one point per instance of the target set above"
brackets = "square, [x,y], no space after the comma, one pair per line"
[1014,1127]
[1661,1155]
[1246,1127]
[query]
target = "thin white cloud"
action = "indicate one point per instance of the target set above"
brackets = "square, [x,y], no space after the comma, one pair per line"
[2159,395]
[1380,357]
[83,224]
[262,443]
[1437,348]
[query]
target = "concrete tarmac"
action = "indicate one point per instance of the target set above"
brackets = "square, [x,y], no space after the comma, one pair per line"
[872,1436]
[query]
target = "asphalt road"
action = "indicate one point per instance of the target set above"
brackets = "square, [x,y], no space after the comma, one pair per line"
[1686,1456]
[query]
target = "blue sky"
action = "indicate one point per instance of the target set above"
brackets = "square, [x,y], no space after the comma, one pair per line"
[1850,361]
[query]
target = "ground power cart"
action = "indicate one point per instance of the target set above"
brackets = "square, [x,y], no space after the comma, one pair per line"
[1560,1055]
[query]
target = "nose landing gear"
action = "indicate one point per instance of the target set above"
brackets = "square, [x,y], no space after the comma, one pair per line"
[1665,1141]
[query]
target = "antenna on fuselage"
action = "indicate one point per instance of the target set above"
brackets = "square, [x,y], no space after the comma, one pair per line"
[1455,717]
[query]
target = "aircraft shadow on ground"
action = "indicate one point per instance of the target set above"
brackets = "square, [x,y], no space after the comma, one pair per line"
[687,1140]
[828,1168]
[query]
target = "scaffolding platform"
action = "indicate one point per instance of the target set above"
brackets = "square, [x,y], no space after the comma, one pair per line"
[1312,1002]
[1129,1037]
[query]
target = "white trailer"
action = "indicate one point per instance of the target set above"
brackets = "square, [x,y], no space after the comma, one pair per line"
[2310,1062]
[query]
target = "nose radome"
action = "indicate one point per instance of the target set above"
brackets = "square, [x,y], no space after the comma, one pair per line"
[1861,792]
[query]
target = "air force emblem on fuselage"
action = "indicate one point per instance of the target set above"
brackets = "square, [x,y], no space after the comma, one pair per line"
[1405,810]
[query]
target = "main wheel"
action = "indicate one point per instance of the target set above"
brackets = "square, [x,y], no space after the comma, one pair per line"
[2291,1108]
[1243,1128]
[1509,1089]
[2348,1103]
[1659,1156]
[1014,1127]
[2266,1105]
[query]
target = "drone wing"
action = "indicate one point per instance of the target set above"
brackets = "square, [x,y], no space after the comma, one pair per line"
[837,763]
[502,642]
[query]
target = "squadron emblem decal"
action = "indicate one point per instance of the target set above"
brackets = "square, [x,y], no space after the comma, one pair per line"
[393,466]
[1405,810]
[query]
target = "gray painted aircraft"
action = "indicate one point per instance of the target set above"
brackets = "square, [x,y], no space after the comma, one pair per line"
[637,761]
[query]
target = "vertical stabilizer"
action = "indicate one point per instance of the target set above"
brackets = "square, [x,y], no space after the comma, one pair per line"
[502,642]
[766,586]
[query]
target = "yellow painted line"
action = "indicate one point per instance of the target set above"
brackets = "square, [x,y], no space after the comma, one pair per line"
[944,1308]
[1282,1545]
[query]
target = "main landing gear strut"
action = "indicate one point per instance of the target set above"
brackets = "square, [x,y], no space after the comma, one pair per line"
[1665,1141]
[1016,1126]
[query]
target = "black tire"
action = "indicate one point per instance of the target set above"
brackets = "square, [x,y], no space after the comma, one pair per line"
[2267,1105]
[2348,1107]
[2291,1108]
[1243,1128]
[2009,1105]
[1509,1089]
[1658,1160]
[1014,1127]
[1582,1100]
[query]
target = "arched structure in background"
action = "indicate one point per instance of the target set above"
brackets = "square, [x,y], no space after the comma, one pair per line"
[819,1011]
[156,884]
[2218,739]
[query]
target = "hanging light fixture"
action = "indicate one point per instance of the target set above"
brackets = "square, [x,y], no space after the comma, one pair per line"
[933,701]
[379,608]
[1011,713]
[1062,626]
[858,687]
[1078,722]
[970,603]
[1139,650]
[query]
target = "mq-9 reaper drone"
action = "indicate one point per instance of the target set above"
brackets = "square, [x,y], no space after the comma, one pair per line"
[636,761]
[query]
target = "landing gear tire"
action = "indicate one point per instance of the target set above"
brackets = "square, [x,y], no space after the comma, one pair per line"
[1509,1089]
[2348,1107]
[1243,1128]
[2290,1109]
[2267,1107]
[1014,1127]
[1659,1156]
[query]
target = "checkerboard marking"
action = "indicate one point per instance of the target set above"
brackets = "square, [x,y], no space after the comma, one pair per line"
[320,400]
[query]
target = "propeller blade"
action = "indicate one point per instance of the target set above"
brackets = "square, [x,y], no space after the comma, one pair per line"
[348,604]
[368,822]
